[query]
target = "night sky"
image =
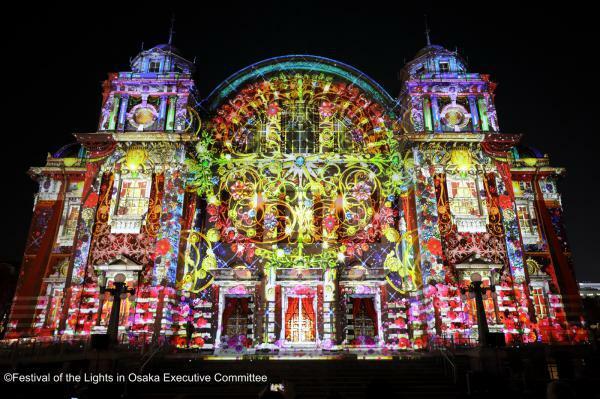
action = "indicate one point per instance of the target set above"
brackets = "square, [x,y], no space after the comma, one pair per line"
[542,59]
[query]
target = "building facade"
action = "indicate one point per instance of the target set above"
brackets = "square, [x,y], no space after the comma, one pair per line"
[297,206]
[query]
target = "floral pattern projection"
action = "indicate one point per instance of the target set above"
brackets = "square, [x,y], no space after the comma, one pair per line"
[304,179]
[302,171]
[443,242]
[80,294]
[101,245]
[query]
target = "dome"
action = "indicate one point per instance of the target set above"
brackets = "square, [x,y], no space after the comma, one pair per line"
[299,63]
[162,58]
[525,151]
[166,48]
[71,150]
[434,59]
[432,48]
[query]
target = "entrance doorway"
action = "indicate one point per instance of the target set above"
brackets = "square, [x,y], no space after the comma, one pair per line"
[362,320]
[300,320]
[235,319]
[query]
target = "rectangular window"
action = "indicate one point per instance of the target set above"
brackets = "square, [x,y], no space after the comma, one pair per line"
[483,115]
[526,220]
[133,198]
[70,222]
[444,67]
[235,317]
[528,223]
[154,66]
[465,204]
[299,128]
[464,197]
[70,215]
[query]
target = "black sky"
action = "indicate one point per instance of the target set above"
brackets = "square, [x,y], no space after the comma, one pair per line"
[542,58]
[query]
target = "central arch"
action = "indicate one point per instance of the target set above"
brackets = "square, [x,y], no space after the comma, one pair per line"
[302,168]
[301,63]
[302,104]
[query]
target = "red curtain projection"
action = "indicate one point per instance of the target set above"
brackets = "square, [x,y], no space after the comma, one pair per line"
[309,312]
[369,309]
[292,311]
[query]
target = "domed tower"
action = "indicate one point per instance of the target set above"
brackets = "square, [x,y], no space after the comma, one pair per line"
[161,59]
[134,195]
[153,96]
[439,95]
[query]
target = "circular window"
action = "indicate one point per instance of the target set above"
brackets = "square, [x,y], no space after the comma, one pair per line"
[142,116]
[455,117]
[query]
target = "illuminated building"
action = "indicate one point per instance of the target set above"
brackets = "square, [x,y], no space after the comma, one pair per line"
[297,206]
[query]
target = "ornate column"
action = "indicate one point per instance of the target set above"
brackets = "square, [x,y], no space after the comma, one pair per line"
[83,237]
[435,111]
[430,245]
[514,247]
[162,114]
[474,113]
[123,112]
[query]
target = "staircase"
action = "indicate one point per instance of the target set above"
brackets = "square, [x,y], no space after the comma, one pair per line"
[421,377]
[415,376]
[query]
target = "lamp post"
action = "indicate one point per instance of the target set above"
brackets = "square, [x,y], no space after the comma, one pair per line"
[475,289]
[118,293]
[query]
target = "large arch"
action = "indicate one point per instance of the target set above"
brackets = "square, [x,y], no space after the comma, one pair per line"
[304,64]
[349,108]
[274,202]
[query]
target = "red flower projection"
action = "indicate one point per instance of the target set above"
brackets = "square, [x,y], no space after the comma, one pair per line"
[273,109]
[163,246]
[326,109]
[91,200]
[329,223]
[434,246]
[504,201]
[201,322]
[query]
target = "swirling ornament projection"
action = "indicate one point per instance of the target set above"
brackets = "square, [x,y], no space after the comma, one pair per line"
[333,186]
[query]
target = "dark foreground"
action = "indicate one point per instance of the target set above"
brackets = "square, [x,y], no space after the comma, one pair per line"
[492,373]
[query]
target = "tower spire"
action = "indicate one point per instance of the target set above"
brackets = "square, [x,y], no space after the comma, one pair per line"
[172,29]
[427,31]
